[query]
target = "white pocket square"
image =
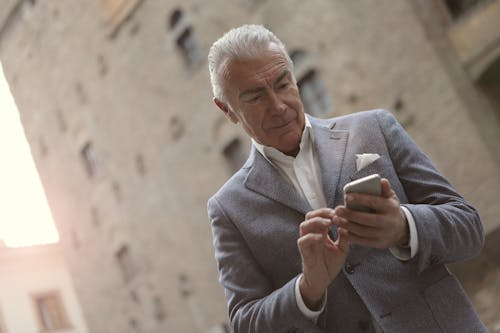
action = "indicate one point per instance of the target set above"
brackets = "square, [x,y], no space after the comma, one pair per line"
[362,160]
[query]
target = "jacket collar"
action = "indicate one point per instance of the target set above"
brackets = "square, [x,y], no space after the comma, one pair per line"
[265,179]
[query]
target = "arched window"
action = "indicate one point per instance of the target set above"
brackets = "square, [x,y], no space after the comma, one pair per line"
[459,8]
[175,18]
[89,158]
[313,94]
[235,154]
[298,56]
[125,262]
[189,46]
[489,84]
[184,38]
[312,89]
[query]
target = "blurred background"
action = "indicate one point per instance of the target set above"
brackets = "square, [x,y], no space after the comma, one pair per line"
[115,102]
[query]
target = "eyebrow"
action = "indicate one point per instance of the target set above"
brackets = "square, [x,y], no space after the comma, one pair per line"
[252,91]
[282,76]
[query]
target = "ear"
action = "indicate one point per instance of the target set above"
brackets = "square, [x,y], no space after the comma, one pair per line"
[227,110]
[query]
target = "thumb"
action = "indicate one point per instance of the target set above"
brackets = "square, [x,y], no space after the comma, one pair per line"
[386,188]
[343,239]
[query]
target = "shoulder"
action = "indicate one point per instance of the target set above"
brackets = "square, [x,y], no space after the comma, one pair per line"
[361,118]
[356,117]
[371,121]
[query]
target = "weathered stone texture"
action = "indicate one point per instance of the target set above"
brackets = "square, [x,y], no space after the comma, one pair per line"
[157,139]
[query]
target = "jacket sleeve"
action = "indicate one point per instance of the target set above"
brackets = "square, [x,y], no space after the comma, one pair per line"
[254,304]
[448,228]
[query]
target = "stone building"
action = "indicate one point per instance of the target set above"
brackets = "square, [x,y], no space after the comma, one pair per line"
[116,104]
[36,292]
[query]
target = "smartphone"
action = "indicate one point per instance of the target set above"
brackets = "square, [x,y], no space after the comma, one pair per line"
[367,185]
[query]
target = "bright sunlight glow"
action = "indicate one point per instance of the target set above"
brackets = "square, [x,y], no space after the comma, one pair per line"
[25,218]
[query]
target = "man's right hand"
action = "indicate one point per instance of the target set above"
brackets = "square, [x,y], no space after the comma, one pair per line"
[322,258]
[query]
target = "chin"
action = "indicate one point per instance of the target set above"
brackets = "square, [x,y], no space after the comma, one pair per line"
[291,147]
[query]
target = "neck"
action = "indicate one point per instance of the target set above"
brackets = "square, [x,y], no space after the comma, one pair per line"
[293,152]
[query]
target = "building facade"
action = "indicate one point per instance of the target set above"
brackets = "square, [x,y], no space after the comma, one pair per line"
[36,292]
[116,104]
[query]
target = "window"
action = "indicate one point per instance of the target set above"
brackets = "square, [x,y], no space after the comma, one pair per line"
[185,38]
[140,165]
[176,128]
[312,89]
[489,84]
[81,93]
[50,311]
[94,216]
[175,18]
[298,57]
[124,259]
[458,8]
[63,126]
[117,190]
[159,309]
[89,159]
[313,94]
[189,47]
[234,154]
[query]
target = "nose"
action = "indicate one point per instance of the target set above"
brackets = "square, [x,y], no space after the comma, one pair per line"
[276,104]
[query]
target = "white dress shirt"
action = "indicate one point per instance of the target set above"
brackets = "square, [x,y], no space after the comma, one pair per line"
[304,173]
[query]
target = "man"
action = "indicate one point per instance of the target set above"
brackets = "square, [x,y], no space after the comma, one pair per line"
[291,256]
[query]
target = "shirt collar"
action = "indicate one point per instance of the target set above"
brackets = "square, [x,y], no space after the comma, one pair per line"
[272,154]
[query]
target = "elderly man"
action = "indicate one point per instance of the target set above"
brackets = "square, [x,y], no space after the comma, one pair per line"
[291,256]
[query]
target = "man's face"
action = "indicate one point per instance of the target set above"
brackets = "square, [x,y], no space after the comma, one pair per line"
[262,96]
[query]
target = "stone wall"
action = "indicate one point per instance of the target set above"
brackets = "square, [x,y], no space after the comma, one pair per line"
[129,145]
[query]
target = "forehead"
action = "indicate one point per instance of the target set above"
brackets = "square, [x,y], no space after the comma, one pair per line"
[242,73]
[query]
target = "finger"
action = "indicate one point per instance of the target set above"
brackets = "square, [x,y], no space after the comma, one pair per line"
[321,212]
[387,190]
[343,239]
[359,199]
[338,220]
[308,243]
[361,230]
[346,215]
[318,225]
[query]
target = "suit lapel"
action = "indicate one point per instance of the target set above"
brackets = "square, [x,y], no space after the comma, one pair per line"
[331,146]
[266,180]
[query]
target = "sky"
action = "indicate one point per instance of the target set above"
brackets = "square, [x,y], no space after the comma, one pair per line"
[25,217]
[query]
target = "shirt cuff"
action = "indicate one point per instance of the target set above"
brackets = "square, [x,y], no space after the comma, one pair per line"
[407,252]
[312,315]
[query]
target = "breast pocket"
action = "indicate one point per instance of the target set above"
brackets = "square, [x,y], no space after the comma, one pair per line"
[382,166]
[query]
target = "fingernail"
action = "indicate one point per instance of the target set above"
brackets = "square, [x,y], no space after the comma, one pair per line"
[348,198]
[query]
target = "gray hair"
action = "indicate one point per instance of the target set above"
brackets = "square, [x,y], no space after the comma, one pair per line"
[247,41]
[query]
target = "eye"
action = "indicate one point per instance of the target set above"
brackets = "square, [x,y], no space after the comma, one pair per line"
[283,85]
[254,99]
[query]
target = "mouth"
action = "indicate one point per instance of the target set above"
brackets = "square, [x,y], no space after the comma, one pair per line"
[282,124]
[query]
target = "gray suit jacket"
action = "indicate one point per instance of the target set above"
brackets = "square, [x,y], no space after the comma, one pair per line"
[255,221]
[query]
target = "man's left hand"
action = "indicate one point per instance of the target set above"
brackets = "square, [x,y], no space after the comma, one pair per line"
[385,227]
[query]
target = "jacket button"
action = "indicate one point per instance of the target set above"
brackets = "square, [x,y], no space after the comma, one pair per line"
[349,268]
